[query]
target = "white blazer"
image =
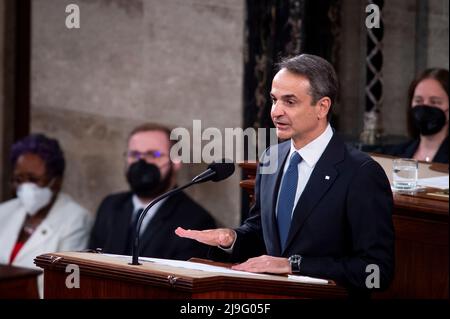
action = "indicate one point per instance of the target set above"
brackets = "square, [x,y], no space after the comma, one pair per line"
[66,228]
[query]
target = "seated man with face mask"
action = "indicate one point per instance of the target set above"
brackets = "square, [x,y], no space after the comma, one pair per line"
[150,173]
[41,219]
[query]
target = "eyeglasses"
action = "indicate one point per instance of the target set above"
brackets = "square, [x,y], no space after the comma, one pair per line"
[148,156]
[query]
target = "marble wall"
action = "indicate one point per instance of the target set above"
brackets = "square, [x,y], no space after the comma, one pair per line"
[399,62]
[133,61]
[438,37]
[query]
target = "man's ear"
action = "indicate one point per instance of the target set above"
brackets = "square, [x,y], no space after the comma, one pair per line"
[176,164]
[324,105]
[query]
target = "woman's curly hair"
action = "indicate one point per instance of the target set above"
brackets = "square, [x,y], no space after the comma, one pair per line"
[46,148]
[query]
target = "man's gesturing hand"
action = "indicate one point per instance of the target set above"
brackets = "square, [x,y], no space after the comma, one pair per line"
[223,237]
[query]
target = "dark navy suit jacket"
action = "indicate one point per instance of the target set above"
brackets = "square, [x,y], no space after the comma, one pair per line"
[340,225]
[158,239]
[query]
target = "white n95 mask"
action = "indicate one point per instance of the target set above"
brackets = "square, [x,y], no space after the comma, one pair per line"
[33,197]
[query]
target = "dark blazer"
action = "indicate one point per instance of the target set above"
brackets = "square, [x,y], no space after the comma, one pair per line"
[407,150]
[158,240]
[340,224]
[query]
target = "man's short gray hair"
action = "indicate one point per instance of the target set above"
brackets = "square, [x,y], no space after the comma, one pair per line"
[319,72]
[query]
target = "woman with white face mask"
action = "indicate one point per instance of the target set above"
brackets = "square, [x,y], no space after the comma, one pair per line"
[41,219]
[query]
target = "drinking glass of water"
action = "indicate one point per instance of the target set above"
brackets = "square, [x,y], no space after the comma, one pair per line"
[405,171]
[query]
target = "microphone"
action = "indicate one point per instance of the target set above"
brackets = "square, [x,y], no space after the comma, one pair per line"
[216,172]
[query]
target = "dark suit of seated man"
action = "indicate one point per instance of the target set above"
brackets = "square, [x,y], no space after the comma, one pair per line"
[326,209]
[150,173]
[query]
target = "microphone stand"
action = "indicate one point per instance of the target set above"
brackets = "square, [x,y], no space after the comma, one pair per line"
[136,247]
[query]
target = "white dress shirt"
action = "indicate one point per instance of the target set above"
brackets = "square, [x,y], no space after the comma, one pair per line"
[137,205]
[311,154]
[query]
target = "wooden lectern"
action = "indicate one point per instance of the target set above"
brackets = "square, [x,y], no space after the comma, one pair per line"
[18,282]
[106,276]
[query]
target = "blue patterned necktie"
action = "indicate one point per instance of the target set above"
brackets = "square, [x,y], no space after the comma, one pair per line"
[286,198]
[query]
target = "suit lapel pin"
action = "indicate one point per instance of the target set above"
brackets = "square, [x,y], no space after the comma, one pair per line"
[327,177]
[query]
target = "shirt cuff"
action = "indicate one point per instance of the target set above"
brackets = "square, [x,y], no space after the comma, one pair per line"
[229,249]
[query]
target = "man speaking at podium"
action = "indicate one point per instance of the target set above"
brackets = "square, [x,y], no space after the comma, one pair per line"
[327,210]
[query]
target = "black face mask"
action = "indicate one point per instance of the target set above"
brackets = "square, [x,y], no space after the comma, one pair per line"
[145,179]
[428,119]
